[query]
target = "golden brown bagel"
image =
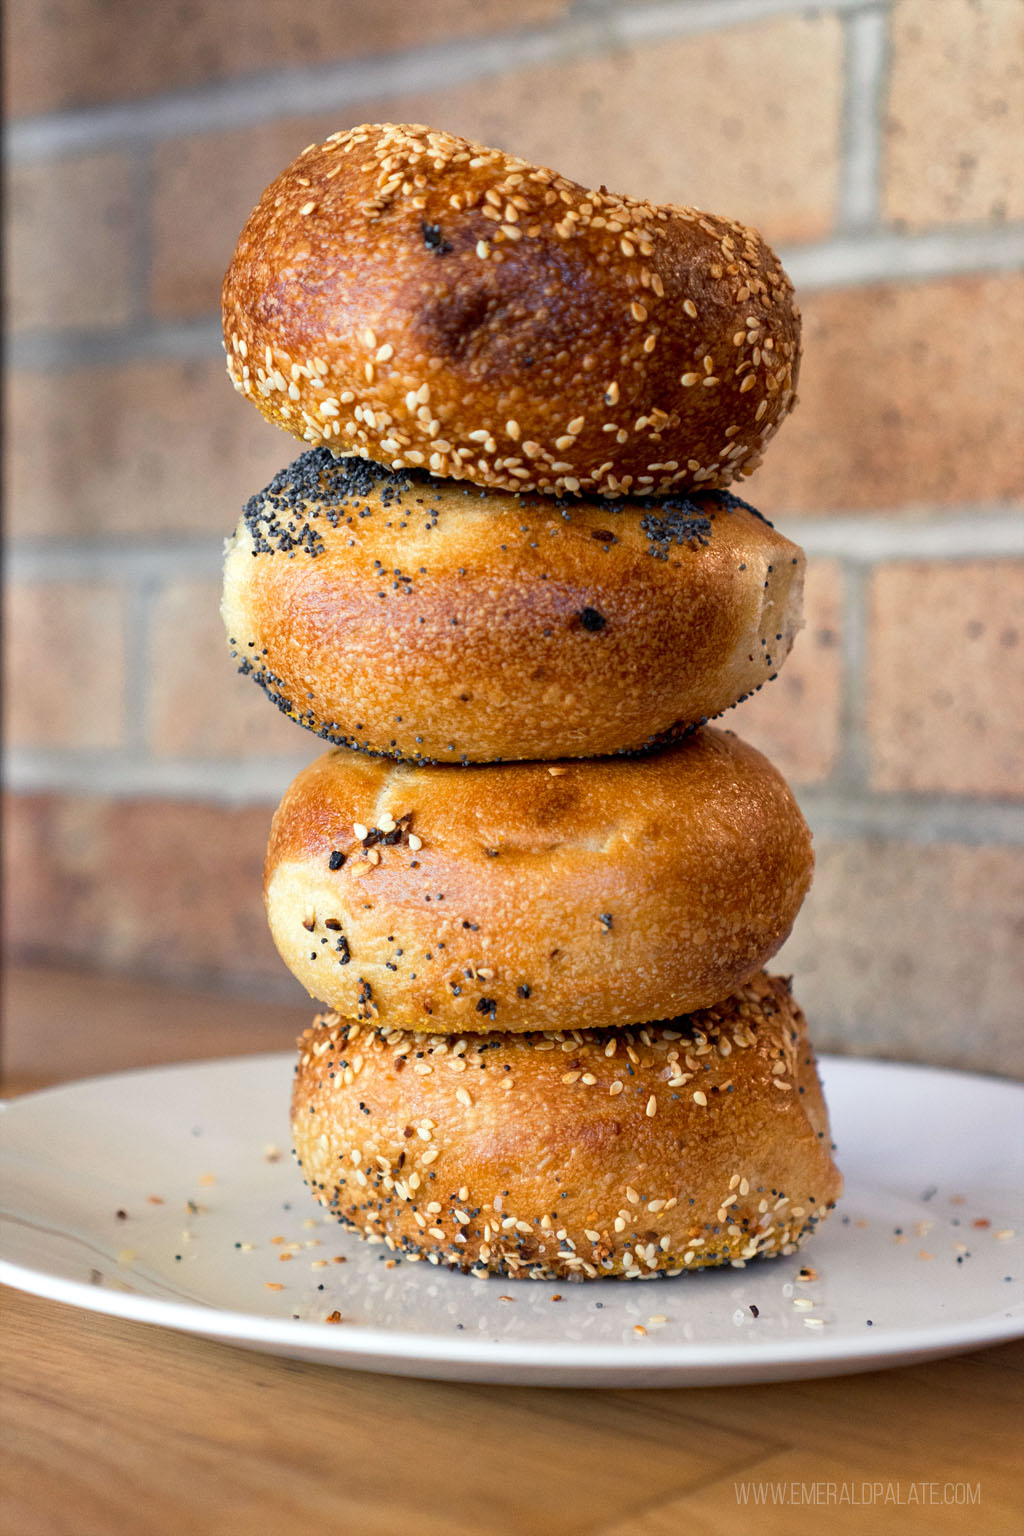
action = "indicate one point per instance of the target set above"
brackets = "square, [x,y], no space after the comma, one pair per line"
[535,896]
[573,1155]
[425,301]
[415,618]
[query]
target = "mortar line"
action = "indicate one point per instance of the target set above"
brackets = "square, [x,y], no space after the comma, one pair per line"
[54,351]
[851,774]
[885,255]
[142,237]
[306,90]
[865,64]
[138,673]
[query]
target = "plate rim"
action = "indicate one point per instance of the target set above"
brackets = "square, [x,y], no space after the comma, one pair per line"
[361,1344]
[427,1349]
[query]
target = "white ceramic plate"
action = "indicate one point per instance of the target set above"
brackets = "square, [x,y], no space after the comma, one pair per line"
[921,1258]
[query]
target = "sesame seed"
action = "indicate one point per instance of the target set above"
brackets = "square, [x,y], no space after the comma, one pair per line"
[307,208]
[689,379]
[690,308]
[652,1107]
[700,1098]
[462,1094]
[615,1088]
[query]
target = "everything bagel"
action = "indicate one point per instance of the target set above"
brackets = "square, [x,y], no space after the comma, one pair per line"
[573,1155]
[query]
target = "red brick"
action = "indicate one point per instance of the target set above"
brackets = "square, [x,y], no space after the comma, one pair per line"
[64,664]
[946,700]
[60,54]
[144,450]
[165,888]
[795,719]
[910,394]
[71,231]
[913,951]
[758,100]
[743,121]
[199,705]
[953,151]
[204,188]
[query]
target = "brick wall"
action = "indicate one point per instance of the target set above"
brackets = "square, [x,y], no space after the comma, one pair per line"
[879,145]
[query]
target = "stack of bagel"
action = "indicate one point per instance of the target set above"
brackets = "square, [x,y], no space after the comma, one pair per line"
[507,581]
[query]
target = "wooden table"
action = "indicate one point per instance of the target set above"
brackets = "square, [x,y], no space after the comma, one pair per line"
[112,1427]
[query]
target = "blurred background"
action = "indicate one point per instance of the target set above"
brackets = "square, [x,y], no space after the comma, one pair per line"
[880,146]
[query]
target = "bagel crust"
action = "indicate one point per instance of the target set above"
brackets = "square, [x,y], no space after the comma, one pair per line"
[573,1155]
[533,896]
[414,618]
[423,301]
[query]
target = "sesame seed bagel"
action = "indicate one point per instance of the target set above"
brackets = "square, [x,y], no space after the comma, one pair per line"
[535,896]
[577,1154]
[412,617]
[425,301]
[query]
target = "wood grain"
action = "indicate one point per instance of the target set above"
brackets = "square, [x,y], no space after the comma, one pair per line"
[118,1429]
[60,1025]
[113,1428]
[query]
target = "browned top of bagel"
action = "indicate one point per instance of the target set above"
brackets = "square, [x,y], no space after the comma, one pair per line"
[421,300]
[529,896]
